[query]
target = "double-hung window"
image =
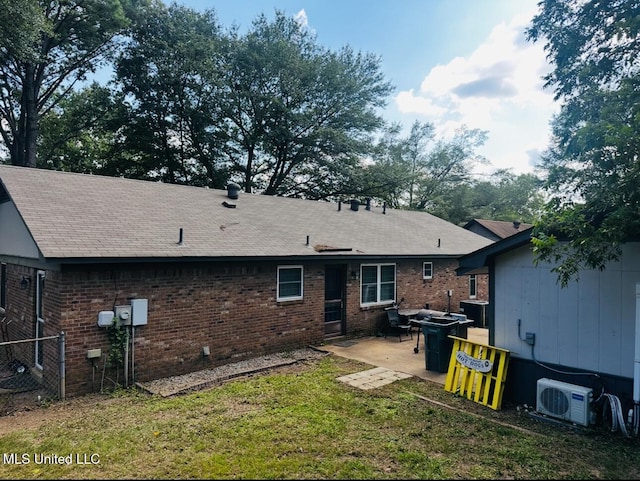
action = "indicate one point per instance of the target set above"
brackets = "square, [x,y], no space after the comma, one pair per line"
[289,283]
[427,270]
[378,284]
[39,358]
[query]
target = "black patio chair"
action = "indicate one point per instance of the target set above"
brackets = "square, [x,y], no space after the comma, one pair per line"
[395,323]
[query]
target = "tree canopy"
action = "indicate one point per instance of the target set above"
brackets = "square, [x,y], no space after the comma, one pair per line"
[169,76]
[592,167]
[192,102]
[68,40]
[300,115]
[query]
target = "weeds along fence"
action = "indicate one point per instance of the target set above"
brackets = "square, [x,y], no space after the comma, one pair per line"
[32,372]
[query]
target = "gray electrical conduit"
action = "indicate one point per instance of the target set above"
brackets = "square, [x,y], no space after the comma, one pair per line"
[617,418]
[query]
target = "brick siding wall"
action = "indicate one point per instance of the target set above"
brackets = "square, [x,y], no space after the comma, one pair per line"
[231,308]
[418,291]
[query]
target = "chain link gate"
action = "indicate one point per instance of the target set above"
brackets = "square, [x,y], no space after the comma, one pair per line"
[23,384]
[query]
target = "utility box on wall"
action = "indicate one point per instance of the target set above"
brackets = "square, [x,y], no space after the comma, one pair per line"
[123,313]
[476,310]
[105,318]
[139,309]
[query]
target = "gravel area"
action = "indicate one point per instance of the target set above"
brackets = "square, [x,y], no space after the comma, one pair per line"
[171,386]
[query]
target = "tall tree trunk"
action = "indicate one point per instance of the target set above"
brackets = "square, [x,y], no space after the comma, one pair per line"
[25,153]
[248,175]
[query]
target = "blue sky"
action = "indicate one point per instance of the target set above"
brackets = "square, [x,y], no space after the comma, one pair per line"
[452,62]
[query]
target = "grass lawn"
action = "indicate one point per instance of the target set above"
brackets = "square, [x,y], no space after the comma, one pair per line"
[299,422]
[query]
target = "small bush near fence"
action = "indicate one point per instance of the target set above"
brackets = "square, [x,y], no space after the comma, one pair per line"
[24,384]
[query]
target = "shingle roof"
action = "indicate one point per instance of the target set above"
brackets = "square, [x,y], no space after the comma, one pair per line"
[501,229]
[88,216]
[478,261]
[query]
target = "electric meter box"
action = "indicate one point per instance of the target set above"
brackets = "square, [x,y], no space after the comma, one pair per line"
[139,308]
[123,313]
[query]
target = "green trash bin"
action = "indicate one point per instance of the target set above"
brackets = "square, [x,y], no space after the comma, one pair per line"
[437,344]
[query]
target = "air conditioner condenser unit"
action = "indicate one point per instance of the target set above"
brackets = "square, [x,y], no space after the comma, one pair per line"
[565,401]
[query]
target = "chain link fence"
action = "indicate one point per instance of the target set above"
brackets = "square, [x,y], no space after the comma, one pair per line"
[31,373]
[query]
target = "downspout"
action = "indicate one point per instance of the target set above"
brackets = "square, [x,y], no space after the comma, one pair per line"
[636,366]
[133,347]
[126,359]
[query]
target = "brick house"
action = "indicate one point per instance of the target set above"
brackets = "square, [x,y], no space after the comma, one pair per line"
[213,276]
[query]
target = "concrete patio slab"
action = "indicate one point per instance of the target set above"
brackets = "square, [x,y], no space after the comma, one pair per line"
[393,354]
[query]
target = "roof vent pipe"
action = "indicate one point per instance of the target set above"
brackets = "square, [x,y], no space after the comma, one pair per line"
[355,205]
[232,190]
[516,224]
[384,208]
[368,207]
[180,238]
[339,205]
[438,242]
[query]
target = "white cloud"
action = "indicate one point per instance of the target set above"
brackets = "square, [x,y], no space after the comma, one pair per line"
[301,18]
[498,88]
[408,102]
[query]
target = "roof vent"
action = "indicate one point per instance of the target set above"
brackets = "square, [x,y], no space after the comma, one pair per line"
[516,224]
[232,190]
[368,207]
[355,205]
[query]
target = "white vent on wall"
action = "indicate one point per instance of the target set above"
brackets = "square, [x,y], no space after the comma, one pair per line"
[564,401]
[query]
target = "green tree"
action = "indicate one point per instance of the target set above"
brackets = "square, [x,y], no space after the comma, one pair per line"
[382,175]
[592,168]
[505,196]
[301,116]
[424,171]
[79,134]
[169,74]
[21,24]
[415,154]
[447,165]
[77,37]
[508,197]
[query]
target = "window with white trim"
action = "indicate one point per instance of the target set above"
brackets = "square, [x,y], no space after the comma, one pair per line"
[473,286]
[39,354]
[377,284]
[289,283]
[427,270]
